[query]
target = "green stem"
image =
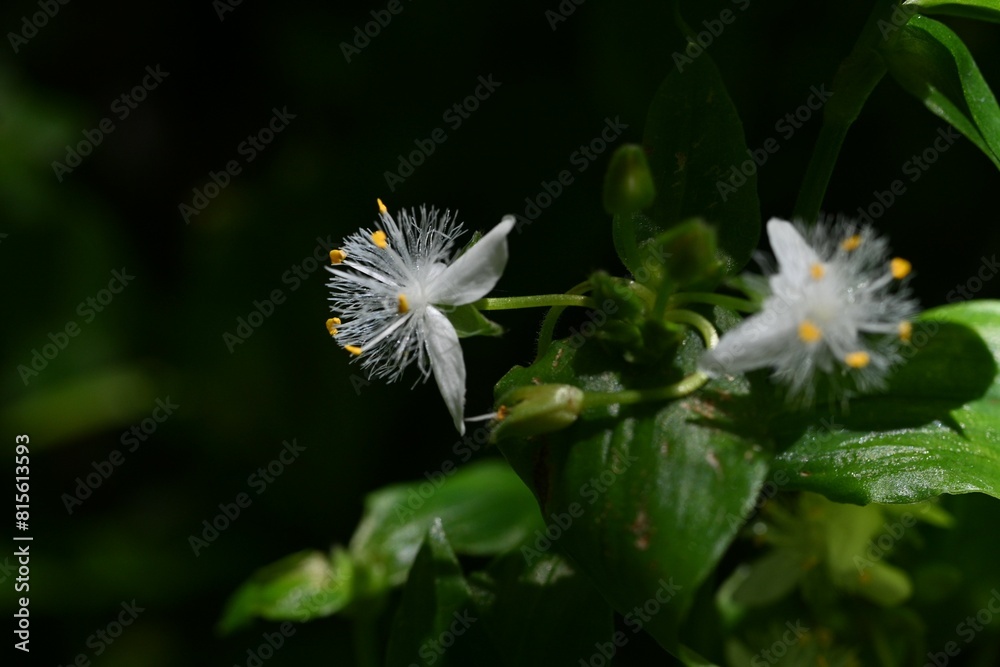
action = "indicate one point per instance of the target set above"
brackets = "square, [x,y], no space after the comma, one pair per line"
[691,318]
[538,301]
[689,384]
[732,302]
[366,650]
[854,81]
[594,399]
[551,317]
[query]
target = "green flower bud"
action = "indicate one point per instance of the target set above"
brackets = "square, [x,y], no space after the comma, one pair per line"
[537,409]
[690,252]
[299,587]
[628,183]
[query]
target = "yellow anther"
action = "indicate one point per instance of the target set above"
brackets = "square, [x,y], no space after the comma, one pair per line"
[905,331]
[851,243]
[817,271]
[381,207]
[809,332]
[353,349]
[337,256]
[857,359]
[502,413]
[331,325]
[404,305]
[378,238]
[900,268]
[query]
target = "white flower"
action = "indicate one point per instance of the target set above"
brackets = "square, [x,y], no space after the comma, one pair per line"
[837,305]
[391,288]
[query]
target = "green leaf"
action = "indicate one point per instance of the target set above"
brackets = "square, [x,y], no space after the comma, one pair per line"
[695,142]
[436,622]
[469,321]
[484,507]
[299,587]
[930,61]
[542,611]
[95,402]
[936,430]
[644,498]
[982,10]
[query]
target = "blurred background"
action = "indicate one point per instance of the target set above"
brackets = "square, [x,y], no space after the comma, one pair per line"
[141,275]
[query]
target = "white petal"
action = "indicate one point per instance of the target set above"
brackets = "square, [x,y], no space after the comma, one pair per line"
[759,341]
[795,256]
[446,362]
[475,273]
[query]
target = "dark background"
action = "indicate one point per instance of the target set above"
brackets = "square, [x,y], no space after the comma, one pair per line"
[162,336]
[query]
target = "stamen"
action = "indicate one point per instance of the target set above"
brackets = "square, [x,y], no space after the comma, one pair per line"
[809,332]
[905,331]
[353,349]
[337,256]
[817,271]
[404,305]
[331,325]
[851,243]
[381,207]
[857,359]
[900,268]
[502,413]
[378,238]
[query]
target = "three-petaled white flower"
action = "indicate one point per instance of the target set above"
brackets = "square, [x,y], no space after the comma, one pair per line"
[391,288]
[837,305]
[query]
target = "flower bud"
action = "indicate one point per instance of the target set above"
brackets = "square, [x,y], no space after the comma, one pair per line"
[537,409]
[690,249]
[628,183]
